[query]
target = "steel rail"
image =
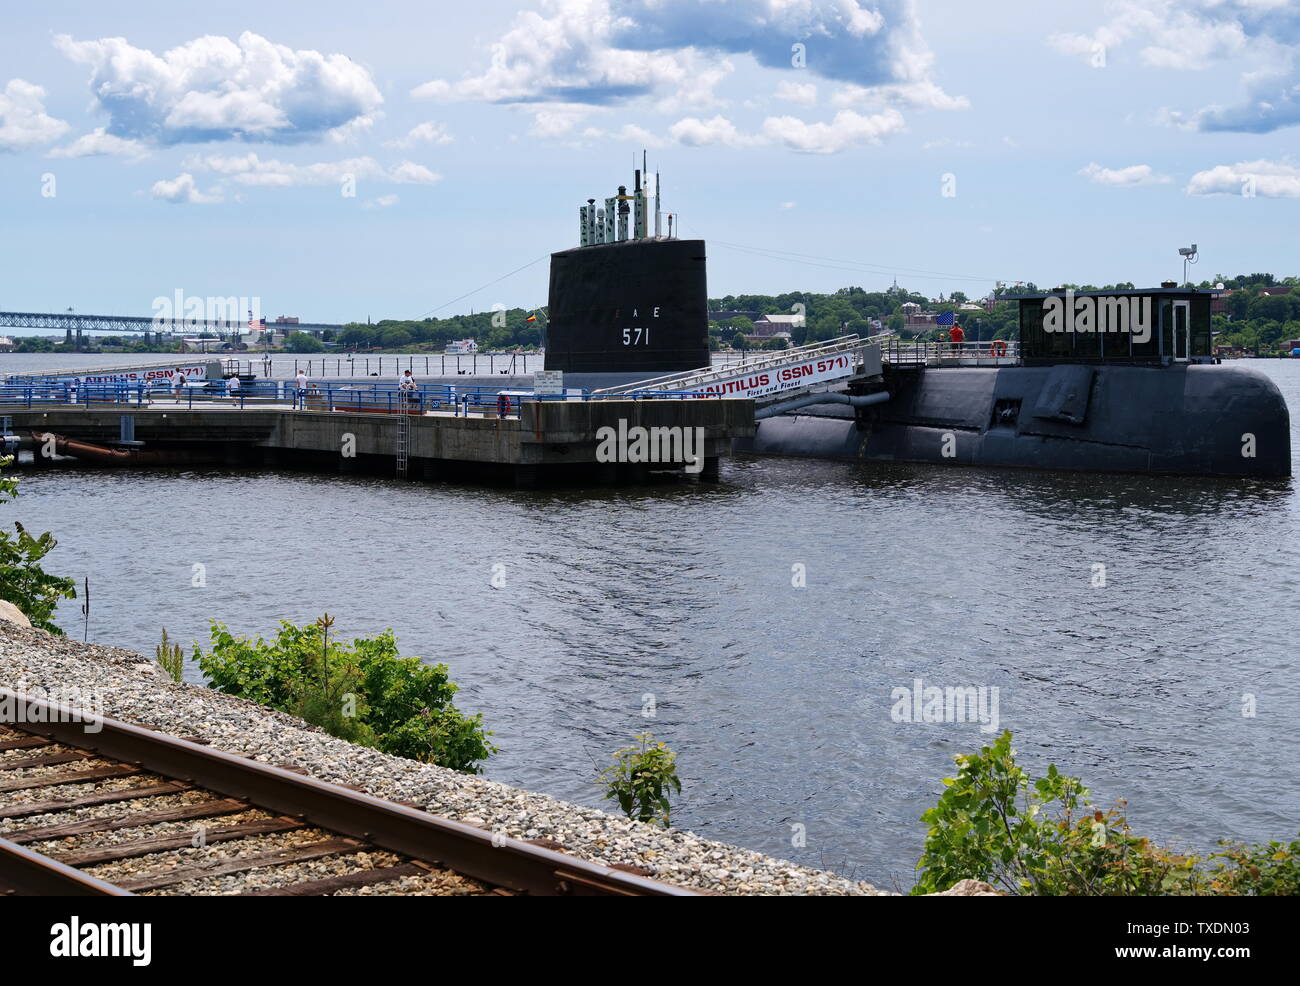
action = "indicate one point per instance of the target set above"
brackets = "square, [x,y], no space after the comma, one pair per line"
[489,857]
[29,873]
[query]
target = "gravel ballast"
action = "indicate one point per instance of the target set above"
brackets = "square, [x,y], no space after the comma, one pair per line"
[131,688]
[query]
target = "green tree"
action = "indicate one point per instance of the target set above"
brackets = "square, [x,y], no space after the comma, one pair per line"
[395,338]
[22,580]
[301,342]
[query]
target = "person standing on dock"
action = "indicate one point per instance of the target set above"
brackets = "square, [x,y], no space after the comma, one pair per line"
[232,385]
[178,383]
[301,381]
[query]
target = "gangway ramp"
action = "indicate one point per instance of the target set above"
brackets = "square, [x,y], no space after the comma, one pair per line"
[773,378]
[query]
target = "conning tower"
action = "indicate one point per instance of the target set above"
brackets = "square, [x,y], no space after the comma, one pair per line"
[628,304]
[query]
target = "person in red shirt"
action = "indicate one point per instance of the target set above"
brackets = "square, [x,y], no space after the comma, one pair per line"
[956,336]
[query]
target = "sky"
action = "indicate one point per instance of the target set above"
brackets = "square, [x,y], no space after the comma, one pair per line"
[341,161]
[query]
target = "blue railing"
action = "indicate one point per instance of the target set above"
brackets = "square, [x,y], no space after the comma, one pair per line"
[31,393]
[360,398]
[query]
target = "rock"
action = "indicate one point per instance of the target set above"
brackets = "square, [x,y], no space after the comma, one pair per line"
[968,888]
[10,612]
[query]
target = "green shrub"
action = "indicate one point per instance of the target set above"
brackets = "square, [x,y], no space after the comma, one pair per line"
[1045,838]
[363,692]
[170,657]
[640,778]
[22,580]
[1268,870]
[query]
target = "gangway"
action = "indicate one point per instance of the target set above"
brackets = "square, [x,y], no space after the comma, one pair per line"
[781,376]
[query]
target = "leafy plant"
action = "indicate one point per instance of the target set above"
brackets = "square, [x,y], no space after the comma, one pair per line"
[22,580]
[1045,838]
[364,692]
[170,657]
[1268,870]
[640,778]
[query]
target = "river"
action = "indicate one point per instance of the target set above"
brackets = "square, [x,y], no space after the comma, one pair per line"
[776,698]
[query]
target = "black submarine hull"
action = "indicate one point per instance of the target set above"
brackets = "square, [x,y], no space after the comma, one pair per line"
[629,307]
[1188,419]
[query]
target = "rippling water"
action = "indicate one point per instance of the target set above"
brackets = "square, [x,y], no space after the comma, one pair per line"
[776,698]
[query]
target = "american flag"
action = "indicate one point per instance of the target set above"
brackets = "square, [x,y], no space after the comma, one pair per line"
[254,323]
[945,318]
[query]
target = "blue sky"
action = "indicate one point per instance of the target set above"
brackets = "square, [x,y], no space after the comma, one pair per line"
[208,149]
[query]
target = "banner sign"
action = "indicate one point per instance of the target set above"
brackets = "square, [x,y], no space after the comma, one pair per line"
[781,378]
[196,372]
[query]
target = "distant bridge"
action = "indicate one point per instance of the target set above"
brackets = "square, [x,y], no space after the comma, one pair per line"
[132,323]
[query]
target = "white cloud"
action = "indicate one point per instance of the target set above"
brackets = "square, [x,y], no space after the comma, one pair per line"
[182,189]
[604,52]
[382,202]
[23,120]
[1136,174]
[788,205]
[353,130]
[1266,179]
[213,88]
[803,93]
[250,169]
[410,173]
[695,132]
[97,143]
[557,121]
[847,129]
[629,133]
[428,132]
[1195,34]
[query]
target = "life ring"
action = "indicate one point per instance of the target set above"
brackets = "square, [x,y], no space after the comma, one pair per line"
[998,347]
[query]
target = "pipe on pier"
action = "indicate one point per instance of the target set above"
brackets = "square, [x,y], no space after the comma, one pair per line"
[807,400]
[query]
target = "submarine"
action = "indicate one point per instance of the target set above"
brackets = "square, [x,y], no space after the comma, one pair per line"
[1113,381]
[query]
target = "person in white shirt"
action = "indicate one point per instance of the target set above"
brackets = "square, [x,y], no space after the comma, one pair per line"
[301,381]
[408,388]
[179,381]
[232,386]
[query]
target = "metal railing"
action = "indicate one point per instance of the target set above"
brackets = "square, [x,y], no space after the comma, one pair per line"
[899,352]
[41,393]
[460,401]
[694,380]
[437,364]
[358,398]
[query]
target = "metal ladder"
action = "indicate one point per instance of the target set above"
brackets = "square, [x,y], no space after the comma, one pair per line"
[403,439]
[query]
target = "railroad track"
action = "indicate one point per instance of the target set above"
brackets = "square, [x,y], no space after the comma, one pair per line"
[126,810]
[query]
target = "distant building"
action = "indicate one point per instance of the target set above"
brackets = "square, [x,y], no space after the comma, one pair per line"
[6,344]
[286,320]
[462,347]
[770,326]
[1219,299]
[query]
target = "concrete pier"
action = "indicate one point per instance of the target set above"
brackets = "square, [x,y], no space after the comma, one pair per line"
[552,441]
